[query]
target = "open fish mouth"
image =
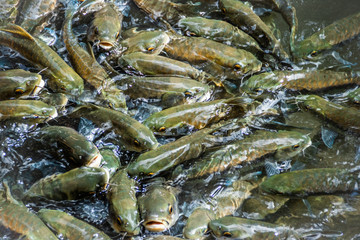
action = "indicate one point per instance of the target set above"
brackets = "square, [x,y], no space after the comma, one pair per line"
[106,45]
[95,161]
[37,88]
[156,225]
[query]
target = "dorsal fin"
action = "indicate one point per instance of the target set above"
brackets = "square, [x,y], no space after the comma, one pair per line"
[17,30]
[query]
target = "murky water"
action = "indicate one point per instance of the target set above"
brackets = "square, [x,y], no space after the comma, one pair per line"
[23,160]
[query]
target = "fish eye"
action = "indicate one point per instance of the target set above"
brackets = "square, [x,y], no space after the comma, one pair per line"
[150,49]
[170,209]
[227,234]
[296,146]
[63,88]
[96,30]
[188,93]
[117,35]
[19,91]
[151,173]
[119,220]
[258,90]
[162,129]
[223,10]
[137,143]
[237,67]
[44,112]
[313,53]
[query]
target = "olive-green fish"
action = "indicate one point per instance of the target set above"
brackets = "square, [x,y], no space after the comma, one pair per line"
[71,185]
[62,77]
[219,31]
[174,120]
[26,110]
[110,161]
[105,28]
[230,227]
[244,17]
[223,204]
[345,117]
[57,100]
[69,226]
[158,206]
[34,14]
[172,91]
[328,37]
[17,82]
[134,136]
[124,214]
[198,50]
[15,216]
[282,144]
[79,150]
[298,80]
[311,181]
[87,66]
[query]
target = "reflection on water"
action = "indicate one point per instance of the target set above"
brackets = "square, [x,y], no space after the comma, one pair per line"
[23,161]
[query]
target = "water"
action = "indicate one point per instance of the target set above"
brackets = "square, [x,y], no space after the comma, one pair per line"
[23,161]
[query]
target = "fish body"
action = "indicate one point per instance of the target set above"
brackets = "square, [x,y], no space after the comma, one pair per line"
[219,31]
[28,110]
[197,223]
[34,14]
[124,214]
[171,121]
[252,147]
[311,181]
[62,77]
[69,185]
[15,216]
[198,50]
[242,16]
[80,150]
[57,100]
[69,226]
[345,117]
[169,155]
[331,35]
[298,80]
[105,28]
[172,91]
[17,82]
[230,227]
[158,207]
[110,161]
[134,135]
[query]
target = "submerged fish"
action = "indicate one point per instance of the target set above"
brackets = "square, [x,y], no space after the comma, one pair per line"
[80,150]
[158,207]
[241,228]
[311,181]
[69,226]
[17,82]
[328,37]
[124,214]
[70,185]
[62,77]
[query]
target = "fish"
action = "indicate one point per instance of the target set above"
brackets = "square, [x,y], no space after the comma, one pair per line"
[345,117]
[198,50]
[172,91]
[78,149]
[134,136]
[15,216]
[110,161]
[262,142]
[230,227]
[298,80]
[34,15]
[124,213]
[62,77]
[69,226]
[87,66]
[219,31]
[223,204]
[328,37]
[57,100]
[242,16]
[307,182]
[70,185]
[31,111]
[158,206]
[17,82]
[105,27]
[173,121]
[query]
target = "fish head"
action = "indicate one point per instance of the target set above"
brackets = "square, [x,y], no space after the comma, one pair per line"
[291,143]
[258,84]
[197,223]
[307,49]
[150,42]
[158,208]
[193,26]
[125,217]
[227,228]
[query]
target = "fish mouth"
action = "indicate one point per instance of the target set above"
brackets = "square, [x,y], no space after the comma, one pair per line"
[95,161]
[38,87]
[53,116]
[156,225]
[106,45]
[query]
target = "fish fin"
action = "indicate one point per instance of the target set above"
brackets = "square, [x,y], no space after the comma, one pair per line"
[271,169]
[17,30]
[308,206]
[328,136]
